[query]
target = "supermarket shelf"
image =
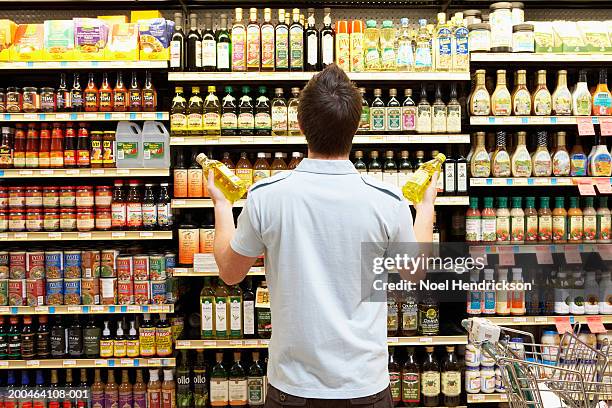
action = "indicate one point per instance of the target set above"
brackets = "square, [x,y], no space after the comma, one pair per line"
[486,398]
[544,320]
[88,363]
[84,116]
[207,202]
[533,181]
[603,249]
[538,57]
[36,65]
[85,236]
[184,272]
[531,120]
[107,172]
[358,139]
[263,343]
[86,309]
[305,76]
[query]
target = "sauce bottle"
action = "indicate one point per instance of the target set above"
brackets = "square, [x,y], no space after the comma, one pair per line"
[589,219]
[517,221]
[91,339]
[111,391]
[139,391]
[544,221]
[578,160]
[261,168]
[521,98]
[134,206]
[501,101]
[6,148]
[559,221]
[541,161]
[278,165]
[163,337]
[518,295]
[154,389]
[195,178]
[473,222]
[134,95]
[531,220]
[76,103]
[165,218]
[604,221]
[581,97]
[562,97]
[168,390]
[106,342]
[44,152]
[489,221]
[92,101]
[19,147]
[561,159]
[602,100]
[575,221]
[105,95]
[149,208]
[120,95]
[132,344]
[502,223]
[430,379]
[118,207]
[27,339]
[42,338]
[149,94]
[108,149]
[83,152]
[75,338]
[542,100]
[521,160]
[146,333]
[119,345]
[180,176]
[480,162]
[125,391]
[188,235]
[57,339]
[62,95]
[411,380]
[97,390]
[480,100]
[32,146]
[244,169]
[96,149]
[502,301]
[451,378]
[501,159]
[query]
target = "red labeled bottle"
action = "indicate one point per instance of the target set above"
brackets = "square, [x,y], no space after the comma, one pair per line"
[19,148]
[44,152]
[118,207]
[83,149]
[134,206]
[92,101]
[56,154]
[120,95]
[32,146]
[70,146]
[105,95]
[6,149]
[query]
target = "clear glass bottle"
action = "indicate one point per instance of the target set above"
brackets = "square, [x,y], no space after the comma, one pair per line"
[453,118]
[405,53]
[480,100]
[542,100]
[521,98]
[560,158]
[378,113]
[292,108]
[501,166]
[424,113]
[581,97]
[409,112]
[440,113]
[521,159]
[279,113]
[562,97]
[541,160]
[501,101]
[423,60]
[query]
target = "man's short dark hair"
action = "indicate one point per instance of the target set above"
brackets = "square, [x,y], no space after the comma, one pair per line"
[329,112]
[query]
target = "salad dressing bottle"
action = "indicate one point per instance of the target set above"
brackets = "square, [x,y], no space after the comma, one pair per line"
[589,221]
[562,97]
[542,100]
[521,160]
[544,221]
[501,158]
[559,221]
[517,221]
[501,101]
[521,98]
[502,225]
[602,100]
[575,221]
[581,97]
[604,221]
[480,161]
[531,220]
[561,158]
[578,160]
[480,100]
[489,221]
[600,160]
[541,161]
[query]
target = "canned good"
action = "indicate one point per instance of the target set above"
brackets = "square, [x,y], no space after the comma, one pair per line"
[35,265]
[142,292]
[72,264]
[72,291]
[125,267]
[84,196]
[51,220]
[108,291]
[68,219]
[51,197]
[55,292]
[35,292]
[141,267]
[125,292]
[90,291]
[54,264]
[4,292]
[67,196]
[3,197]
[33,196]
[17,265]
[4,265]
[108,267]
[170,262]
[34,219]
[16,292]
[157,267]
[158,292]
[90,263]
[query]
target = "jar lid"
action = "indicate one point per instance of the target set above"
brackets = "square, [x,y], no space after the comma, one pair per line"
[33,188]
[47,89]
[550,332]
[34,210]
[84,209]
[12,89]
[50,188]
[109,132]
[471,13]
[103,209]
[522,27]
[500,5]
[103,187]
[479,26]
[67,188]
[517,4]
[68,210]
[50,210]
[84,187]
[97,132]
[15,188]
[16,210]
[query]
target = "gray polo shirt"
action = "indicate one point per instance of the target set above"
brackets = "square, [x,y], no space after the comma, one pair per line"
[327,342]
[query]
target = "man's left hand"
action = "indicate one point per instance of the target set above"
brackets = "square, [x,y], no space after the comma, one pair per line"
[217,196]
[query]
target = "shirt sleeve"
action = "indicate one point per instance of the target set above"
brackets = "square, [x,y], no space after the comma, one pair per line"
[247,240]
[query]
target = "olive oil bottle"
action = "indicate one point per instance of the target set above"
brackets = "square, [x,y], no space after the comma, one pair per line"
[232,186]
[415,187]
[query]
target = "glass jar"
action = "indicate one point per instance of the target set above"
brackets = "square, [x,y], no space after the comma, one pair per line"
[3,219]
[472,355]
[85,219]
[67,196]
[51,220]
[523,38]
[3,197]
[104,196]
[518,13]
[479,37]
[68,219]
[2,100]
[500,18]
[47,99]
[13,100]
[16,220]
[16,197]
[550,345]
[487,380]
[103,218]
[84,196]
[518,347]
[33,196]
[34,219]
[51,197]
[30,99]
[472,380]
[472,17]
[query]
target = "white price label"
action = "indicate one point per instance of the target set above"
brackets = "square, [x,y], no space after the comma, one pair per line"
[98,309]
[25,172]
[426,339]
[123,172]
[73,172]
[126,362]
[97,171]
[54,235]
[74,309]
[90,116]
[61,116]
[146,234]
[33,363]
[84,235]
[235,342]
[519,319]
[392,340]
[4,363]
[47,172]
[178,202]
[100,363]
[21,235]
[251,342]
[154,362]
[29,116]
[118,116]
[69,363]
[117,234]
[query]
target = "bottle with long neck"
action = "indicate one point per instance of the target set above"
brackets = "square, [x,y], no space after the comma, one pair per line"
[209,45]
[581,97]
[480,162]
[281,34]
[541,161]
[417,183]
[327,36]
[296,43]
[253,42]
[311,36]
[501,101]
[562,97]
[239,43]
[521,98]
[424,113]
[224,46]
[453,118]
[194,45]
[177,45]
[500,159]
[542,100]
[521,159]
[440,113]
[267,42]
[561,158]
[602,100]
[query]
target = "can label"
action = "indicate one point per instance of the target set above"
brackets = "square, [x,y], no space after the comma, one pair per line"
[4,292]
[54,264]
[108,266]
[157,267]
[90,263]
[125,292]
[17,269]
[90,291]
[142,292]
[16,292]
[55,292]
[141,268]
[35,292]
[158,292]
[72,264]
[35,265]
[108,291]
[72,291]
[125,267]
[4,265]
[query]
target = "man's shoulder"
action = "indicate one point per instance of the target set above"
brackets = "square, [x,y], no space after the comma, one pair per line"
[381,187]
[269,181]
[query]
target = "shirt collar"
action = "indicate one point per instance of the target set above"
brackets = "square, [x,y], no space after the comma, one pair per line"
[326,166]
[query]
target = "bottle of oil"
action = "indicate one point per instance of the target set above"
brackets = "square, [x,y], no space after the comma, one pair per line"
[178,113]
[232,186]
[194,109]
[417,183]
[212,113]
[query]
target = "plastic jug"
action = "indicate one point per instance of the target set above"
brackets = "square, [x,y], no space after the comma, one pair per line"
[156,145]
[128,145]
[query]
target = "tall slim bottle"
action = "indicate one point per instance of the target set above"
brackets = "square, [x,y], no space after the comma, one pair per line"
[178,52]
[253,41]
[296,43]
[239,46]
[281,37]
[327,37]
[224,46]
[194,45]
[267,42]
[209,45]
[311,47]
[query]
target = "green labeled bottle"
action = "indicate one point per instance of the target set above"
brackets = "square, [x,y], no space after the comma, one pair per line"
[255,383]
[378,112]
[207,302]
[235,312]
[221,311]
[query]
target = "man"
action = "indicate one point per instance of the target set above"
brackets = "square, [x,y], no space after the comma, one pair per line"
[329,344]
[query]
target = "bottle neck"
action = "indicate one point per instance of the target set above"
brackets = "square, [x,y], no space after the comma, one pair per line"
[562,80]
[501,79]
[521,79]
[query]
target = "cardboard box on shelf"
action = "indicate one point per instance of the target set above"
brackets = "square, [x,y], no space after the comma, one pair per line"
[114,19]
[122,42]
[59,40]
[154,39]
[28,43]
[137,15]
[90,37]
[7,33]
[595,36]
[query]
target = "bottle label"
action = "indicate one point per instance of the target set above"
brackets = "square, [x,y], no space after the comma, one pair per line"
[282,49]
[153,398]
[542,164]
[209,53]
[312,50]
[292,117]
[461,59]
[411,391]
[559,228]
[296,47]
[449,177]
[238,392]
[246,120]
[429,322]
[488,228]
[149,214]
[263,121]
[561,163]
[578,164]
[503,228]
[259,174]
[147,341]
[372,59]
[175,54]
[423,123]
[451,383]
[164,214]
[255,386]
[279,118]
[194,121]
[489,302]
[502,166]
[518,227]
[522,103]
[118,214]
[267,47]
[127,150]
[238,49]
[219,392]
[462,177]
[394,122]
[249,317]
[212,121]
[481,103]
[501,103]
[423,57]
[480,165]
[430,383]
[364,119]
[377,119]
[163,341]
[531,228]
[604,223]
[235,316]
[542,103]
[178,121]
[545,228]
[223,55]
[472,228]
[327,51]
[221,316]
[602,104]
[134,214]
[229,120]
[589,230]
[153,150]
[395,384]
[207,317]
[387,58]
[562,102]
[344,51]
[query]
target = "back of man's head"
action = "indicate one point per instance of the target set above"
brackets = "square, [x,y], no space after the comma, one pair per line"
[329,112]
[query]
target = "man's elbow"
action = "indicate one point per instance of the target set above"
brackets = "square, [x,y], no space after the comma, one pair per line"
[229,277]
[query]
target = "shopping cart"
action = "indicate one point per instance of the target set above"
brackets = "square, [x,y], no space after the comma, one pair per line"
[572,374]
